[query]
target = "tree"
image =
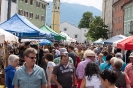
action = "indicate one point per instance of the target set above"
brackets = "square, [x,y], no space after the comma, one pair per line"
[86,19]
[97,29]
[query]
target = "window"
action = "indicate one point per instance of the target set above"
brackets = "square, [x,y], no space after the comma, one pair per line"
[26,1]
[118,19]
[20,12]
[31,2]
[43,6]
[132,10]
[37,16]
[76,36]
[125,13]
[65,29]
[84,34]
[42,18]
[121,19]
[25,13]
[124,29]
[31,15]
[128,28]
[14,1]
[37,4]
[118,8]
[128,12]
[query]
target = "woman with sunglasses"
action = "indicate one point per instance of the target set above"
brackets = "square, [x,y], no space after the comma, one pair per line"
[91,79]
[50,64]
[108,78]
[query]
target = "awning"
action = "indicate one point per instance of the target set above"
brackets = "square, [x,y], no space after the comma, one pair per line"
[56,35]
[126,44]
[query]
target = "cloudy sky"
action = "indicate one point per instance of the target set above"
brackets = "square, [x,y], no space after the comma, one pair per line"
[95,3]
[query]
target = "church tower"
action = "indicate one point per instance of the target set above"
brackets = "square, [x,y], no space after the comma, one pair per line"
[55,22]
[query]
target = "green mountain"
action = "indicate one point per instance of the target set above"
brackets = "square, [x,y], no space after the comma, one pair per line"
[72,13]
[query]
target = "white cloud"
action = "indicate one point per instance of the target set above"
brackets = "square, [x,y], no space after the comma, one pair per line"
[95,3]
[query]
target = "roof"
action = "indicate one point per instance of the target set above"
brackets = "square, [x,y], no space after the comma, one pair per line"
[116,2]
[126,3]
[69,24]
[21,27]
[44,2]
[56,35]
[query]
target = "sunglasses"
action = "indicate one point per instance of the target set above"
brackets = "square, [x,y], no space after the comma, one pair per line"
[32,57]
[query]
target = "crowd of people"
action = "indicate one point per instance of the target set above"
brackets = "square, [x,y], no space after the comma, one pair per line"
[69,66]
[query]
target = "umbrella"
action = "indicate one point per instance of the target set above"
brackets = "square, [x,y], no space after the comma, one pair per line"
[45,42]
[126,44]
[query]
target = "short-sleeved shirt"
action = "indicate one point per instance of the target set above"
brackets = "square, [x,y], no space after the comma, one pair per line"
[80,71]
[104,66]
[73,56]
[57,60]
[80,54]
[50,64]
[35,80]
[64,75]
[129,72]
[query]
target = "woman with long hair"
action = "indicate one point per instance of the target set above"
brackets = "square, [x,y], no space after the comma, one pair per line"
[91,78]
[108,78]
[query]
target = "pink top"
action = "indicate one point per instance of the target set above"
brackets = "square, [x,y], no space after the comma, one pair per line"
[129,72]
[80,71]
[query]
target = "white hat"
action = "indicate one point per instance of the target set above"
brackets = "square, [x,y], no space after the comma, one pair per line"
[63,50]
[131,55]
[89,53]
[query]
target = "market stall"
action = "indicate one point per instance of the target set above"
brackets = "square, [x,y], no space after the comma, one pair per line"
[126,44]
[23,28]
[114,39]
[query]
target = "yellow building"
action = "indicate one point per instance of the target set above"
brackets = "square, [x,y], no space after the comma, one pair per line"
[55,22]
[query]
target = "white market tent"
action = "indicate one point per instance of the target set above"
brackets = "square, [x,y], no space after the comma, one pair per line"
[99,41]
[2,37]
[68,38]
[8,36]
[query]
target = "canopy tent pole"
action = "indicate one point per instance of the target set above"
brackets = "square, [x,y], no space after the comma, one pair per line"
[6,53]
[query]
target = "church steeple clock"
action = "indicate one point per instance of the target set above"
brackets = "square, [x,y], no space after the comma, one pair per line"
[55,22]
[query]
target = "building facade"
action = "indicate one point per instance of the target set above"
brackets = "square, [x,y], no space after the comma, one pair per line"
[107,14]
[33,10]
[4,9]
[118,15]
[55,22]
[74,32]
[128,17]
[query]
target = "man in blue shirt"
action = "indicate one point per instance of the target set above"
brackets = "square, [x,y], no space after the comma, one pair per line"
[29,75]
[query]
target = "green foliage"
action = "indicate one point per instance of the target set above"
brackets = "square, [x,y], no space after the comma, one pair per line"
[97,29]
[86,19]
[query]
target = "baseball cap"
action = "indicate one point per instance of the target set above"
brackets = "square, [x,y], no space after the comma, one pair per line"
[63,50]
